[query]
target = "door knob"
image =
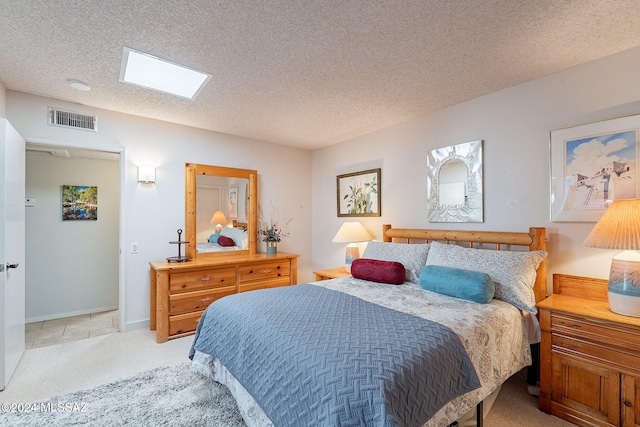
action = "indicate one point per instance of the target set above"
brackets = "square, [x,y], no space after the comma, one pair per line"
[12,265]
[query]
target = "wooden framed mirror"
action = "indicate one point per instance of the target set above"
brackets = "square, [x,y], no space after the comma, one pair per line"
[212,189]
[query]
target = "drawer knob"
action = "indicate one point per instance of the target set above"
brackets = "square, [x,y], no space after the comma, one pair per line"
[627,404]
[265,270]
[205,278]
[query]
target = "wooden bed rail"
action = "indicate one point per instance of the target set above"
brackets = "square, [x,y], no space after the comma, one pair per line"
[535,240]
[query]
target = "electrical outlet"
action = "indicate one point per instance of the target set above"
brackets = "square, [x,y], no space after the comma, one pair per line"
[134,248]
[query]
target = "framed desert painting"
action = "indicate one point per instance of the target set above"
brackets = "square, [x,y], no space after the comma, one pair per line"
[591,166]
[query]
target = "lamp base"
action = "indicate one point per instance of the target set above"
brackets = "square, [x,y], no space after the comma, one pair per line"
[625,305]
[624,284]
[351,254]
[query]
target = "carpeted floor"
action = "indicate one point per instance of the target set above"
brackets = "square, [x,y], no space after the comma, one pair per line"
[166,396]
[175,396]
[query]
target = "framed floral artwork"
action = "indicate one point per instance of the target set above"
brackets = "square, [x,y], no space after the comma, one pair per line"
[591,166]
[359,193]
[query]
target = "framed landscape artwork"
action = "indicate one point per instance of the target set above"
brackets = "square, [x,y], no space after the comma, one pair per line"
[359,193]
[79,202]
[593,165]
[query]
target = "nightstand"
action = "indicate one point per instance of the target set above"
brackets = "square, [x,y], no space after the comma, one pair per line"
[589,356]
[332,273]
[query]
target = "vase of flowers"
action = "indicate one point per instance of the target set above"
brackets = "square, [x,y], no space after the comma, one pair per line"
[271,235]
[270,232]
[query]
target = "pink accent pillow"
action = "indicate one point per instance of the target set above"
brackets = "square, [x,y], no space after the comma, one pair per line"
[225,241]
[391,272]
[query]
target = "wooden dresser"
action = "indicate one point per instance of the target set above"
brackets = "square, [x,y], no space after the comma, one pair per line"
[181,291]
[589,356]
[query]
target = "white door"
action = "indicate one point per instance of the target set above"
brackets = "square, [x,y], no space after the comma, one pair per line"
[12,250]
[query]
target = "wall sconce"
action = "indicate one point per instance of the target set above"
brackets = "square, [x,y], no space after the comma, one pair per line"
[146,174]
[351,232]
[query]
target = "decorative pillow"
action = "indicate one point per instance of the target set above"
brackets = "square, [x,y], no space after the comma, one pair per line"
[238,235]
[459,283]
[214,238]
[412,257]
[225,241]
[514,273]
[378,271]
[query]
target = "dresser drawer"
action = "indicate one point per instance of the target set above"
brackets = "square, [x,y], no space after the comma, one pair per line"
[201,279]
[262,271]
[608,333]
[264,284]
[623,360]
[183,323]
[193,301]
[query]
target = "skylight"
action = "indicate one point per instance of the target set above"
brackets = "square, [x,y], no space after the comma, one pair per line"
[148,71]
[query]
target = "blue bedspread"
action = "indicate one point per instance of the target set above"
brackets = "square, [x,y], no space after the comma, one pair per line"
[311,356]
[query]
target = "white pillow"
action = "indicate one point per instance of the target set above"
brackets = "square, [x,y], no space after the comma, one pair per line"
[514,273]
[412,256]
[238,236]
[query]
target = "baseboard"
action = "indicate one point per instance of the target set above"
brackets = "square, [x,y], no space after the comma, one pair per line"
[135,325]
[69,314]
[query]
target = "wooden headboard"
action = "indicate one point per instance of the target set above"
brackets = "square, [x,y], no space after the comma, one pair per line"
[237,224]
[535,240]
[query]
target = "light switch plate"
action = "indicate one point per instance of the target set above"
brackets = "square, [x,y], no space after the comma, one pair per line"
[29,202]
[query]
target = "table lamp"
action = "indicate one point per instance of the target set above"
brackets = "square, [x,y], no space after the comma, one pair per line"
[218,219]
[619,228]
[351,232]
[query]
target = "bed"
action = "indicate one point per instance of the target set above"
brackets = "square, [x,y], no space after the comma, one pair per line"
[236,239]
[361,351]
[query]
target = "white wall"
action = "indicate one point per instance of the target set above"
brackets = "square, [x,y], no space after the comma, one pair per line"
[3,101]
[72,266]
[152,214]
[515,125]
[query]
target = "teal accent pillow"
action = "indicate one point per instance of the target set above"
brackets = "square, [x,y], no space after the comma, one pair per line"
[459,283]
[214,238]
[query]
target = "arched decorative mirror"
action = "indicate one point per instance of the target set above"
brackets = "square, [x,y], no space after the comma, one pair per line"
[220,201]
[454,185]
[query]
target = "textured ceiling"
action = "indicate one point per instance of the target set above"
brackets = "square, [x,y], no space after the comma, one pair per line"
[305,73]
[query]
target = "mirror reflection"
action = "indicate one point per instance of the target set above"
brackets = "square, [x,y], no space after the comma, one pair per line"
[220,213]
[454,184]
[220,203]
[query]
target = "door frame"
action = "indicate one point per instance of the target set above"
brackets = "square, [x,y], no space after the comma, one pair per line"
[122,176]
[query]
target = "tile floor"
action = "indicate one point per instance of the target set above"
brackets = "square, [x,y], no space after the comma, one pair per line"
[57,331]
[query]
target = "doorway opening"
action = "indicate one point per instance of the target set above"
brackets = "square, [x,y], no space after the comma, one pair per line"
[72,260]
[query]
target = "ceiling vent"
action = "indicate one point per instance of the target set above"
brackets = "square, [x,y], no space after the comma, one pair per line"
[72,120]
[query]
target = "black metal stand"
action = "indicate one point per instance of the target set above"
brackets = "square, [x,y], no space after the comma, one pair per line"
[179,242]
